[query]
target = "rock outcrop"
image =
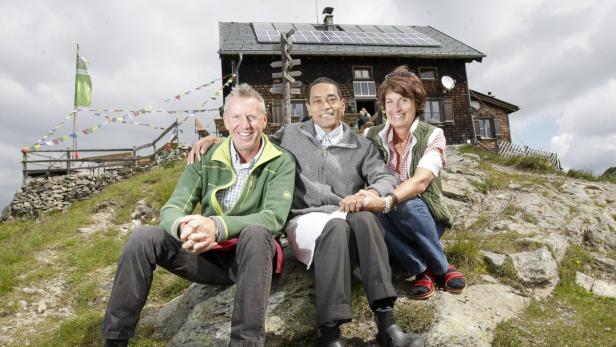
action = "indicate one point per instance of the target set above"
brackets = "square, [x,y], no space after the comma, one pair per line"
[542,213]
[523,224]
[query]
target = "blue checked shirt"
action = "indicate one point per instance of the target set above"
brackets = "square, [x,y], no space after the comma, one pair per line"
[333,138]
[228,197]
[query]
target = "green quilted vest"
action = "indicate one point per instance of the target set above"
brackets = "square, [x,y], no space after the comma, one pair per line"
[433,194]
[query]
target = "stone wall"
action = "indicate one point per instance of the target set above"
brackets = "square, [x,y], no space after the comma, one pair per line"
[55,193]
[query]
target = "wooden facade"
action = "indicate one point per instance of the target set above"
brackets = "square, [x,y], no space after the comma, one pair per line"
[491,117]
[359,70]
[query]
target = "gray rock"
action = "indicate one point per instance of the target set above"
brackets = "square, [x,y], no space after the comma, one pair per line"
[604,289]
[603,262]
[556,243]
[173,315]
[471,156]
[536,268]
[601,237]
[290,316]
[495,261]
[575,230]
[469,319]
[141,209]
[41,307]
[577,191]
[584,281]
[458,187]
[6,213]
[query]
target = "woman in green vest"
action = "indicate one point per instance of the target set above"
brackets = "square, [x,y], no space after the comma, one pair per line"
[414,215]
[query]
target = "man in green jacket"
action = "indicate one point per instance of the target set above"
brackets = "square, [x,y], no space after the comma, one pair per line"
[245,187]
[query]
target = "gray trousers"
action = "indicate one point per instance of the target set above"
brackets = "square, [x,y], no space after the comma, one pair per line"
[249,266]
[354,246]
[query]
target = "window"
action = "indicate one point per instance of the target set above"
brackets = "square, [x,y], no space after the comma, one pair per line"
[439,111]
[486,128]
[298,108]
[364,89]
[427,73]
[362,73]
[277,115]
[432,111]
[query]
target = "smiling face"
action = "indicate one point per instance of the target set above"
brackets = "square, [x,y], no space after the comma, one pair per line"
[400,110]
[245,124]
[325,106]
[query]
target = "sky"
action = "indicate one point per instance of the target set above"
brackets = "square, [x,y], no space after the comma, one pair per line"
[551,58]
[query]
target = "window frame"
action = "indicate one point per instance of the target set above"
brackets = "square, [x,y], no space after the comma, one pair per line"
[367,83]
[428,110]
[421,69]
[482,129]
[304,108]
[362,68]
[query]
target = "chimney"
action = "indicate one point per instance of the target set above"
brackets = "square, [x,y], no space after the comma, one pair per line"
[329,18]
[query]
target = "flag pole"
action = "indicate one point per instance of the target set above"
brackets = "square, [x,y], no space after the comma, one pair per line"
[75,106]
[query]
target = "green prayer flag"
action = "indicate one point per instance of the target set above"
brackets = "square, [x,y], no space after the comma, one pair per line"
[83,84]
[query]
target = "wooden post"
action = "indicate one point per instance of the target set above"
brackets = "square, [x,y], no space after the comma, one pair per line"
[177,134]
[134,158]
[287,62]
[24,164]
[68,162]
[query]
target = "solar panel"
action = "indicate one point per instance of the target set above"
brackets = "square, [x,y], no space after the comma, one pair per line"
[349,27]
[370,28]
[389,29]
[405,29]
[283,26]
[303,26]
[267,34]
[262,26]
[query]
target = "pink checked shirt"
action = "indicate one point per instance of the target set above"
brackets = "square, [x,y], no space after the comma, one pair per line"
[433,158]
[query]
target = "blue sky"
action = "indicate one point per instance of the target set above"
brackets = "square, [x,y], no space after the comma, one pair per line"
[553,59]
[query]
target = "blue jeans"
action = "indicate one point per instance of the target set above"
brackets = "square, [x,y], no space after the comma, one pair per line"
[413,237]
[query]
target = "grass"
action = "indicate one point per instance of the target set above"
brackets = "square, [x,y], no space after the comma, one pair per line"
[463,249]
[570,317]
[490,182]
[581,174]
[411,315]
[535,164]
[506,243]
[82,261]
[527,163]
[590,176]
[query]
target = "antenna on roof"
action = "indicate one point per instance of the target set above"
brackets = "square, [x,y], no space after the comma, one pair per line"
[316,12]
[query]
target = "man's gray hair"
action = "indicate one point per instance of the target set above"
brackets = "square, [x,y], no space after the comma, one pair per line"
[244,90]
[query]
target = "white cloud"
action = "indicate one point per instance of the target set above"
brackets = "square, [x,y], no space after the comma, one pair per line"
[544,56]
[587,137]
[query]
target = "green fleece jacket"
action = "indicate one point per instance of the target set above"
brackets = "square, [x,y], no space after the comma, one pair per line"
[265,200]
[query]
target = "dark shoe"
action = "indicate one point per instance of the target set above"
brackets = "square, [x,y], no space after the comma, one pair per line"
[329,336]
[335,343]
[452,281]
[115,343]
[394,336]
[423,285]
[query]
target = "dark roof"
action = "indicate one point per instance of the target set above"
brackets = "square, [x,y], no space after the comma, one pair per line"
[238,38]
[489,99]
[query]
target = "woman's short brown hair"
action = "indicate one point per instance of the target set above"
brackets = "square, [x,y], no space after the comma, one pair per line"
[405,83]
